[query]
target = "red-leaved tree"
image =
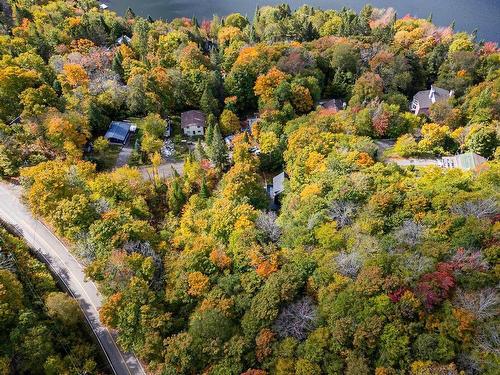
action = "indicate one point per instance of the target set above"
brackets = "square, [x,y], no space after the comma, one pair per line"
[433,288]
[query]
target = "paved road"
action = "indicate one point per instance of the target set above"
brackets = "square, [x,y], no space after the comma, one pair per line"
[70,271]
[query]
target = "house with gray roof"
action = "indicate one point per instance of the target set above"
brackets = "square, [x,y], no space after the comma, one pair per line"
[278,184]
[423,100]
[333,104]
[465,161]
[275,190]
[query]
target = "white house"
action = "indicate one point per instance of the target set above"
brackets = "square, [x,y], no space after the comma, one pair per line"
[124,39]
[193,123]
[423,100]
[468,160]
[465,161]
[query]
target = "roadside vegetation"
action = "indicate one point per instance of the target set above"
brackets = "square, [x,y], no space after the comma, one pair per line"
[43,330]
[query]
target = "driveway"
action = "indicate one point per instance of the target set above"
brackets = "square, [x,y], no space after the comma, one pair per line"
[70,272]
[124,155]
[413,161]
[382,146]
[164,170]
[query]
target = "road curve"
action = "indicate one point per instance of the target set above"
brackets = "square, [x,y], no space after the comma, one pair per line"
[70,271]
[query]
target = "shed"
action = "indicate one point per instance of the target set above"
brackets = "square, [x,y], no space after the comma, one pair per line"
[278,184]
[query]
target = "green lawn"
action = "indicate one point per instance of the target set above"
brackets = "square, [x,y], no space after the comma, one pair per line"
[109,158]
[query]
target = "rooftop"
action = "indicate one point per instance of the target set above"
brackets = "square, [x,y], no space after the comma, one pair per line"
[424,97]
[279,183]
[468,160]
[118,131]
[193,117]
[336,104]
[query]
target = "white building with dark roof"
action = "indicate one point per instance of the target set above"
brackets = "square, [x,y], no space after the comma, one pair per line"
[124,39]
[423,100]
[193,123]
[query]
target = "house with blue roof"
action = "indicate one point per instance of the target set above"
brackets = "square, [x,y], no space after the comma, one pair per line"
[119,132]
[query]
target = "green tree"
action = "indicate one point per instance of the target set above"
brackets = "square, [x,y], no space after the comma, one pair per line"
[229,122]
[176,197]
[483,141]
[433,347]
[140,33]
[406,146]
[63,308]
[11,299]
[153,125]
[117,64]
[367,87]
[136,98]
[208,103]
[218,150]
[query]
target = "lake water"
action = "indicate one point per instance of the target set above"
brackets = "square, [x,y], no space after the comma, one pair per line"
[483,15]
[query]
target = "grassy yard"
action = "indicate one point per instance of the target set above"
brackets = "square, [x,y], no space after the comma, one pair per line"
[108,160]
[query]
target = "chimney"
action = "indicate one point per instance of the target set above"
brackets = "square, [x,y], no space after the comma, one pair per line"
[432,94]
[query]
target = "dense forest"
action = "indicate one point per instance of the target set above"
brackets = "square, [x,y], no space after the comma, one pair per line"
[42,328]
[366,268]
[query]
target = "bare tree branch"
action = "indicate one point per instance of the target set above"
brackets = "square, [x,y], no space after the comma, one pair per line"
[467,363]
[488,339]
[342,212]
[410,233]
[7,262]
[146,250]
[297,319]
[349,264]
[418,264]
[479,208]
[85,249]
[483,304]
[266,223]
[468,260]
